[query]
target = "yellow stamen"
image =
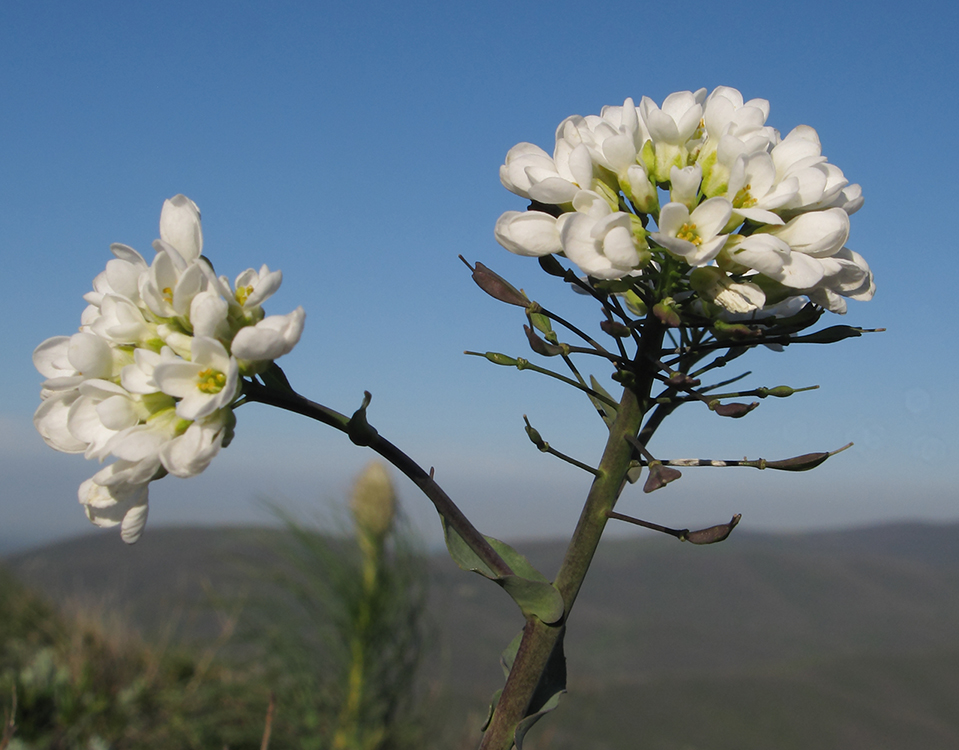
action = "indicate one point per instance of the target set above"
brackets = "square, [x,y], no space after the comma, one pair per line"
[167,294]
[243,293]
[743,198]
[688,232]
[210,380]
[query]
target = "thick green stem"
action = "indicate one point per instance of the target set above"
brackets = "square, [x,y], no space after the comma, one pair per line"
[539,640]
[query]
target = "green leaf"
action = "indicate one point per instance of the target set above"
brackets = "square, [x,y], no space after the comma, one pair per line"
[551,686]
[508,656]
[526,724]
[607,412]
[492,707]
[529,588]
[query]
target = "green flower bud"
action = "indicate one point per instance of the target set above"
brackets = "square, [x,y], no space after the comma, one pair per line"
[373,503]
[500,359]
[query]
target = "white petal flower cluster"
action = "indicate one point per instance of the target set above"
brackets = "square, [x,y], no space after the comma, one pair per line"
[151,377]
[701,180]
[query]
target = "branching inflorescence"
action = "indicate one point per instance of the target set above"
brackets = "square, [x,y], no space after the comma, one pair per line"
[699,231]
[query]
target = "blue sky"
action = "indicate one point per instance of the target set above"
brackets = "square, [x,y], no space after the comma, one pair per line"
[356,147]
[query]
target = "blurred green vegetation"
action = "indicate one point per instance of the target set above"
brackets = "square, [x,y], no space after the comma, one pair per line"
[832,640]
[84,681]
[323,656]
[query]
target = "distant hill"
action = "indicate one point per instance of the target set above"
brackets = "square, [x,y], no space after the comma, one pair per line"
[826,640]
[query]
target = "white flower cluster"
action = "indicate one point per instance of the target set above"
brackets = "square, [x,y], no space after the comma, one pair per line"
[758,219]
[151,378]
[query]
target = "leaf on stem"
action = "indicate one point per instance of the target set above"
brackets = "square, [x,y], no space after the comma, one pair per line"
[607,412]
[529,588]
[552,685]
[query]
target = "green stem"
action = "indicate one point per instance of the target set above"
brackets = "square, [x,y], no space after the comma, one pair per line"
[347,733]
[539,640]
[524,364]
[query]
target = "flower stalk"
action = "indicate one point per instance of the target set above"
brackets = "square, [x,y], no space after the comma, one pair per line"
[539,640]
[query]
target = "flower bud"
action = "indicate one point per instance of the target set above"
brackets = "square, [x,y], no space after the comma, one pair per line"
[500,359]
[615,329]
[667,312]
[682,379]
[373,503]
[539,346]
[535,437]
[733,410]
[496,286]
[780,391]
[804,462]
[714,533]
[660,476]
[539,321]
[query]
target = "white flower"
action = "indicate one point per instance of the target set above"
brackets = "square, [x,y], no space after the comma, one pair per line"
[627,121]
[849,199]
[138,377]
[799,155]
[205,384]
[770,212]
[599,240]
[819,233]
[531,173]
[123,504]
[733,129]
[170,285]
[531,233]
[773,258]
[269,339]
[612,140]
[69,360]
[640,189]
[736,297]
[725,113]
[754,192]
[121,276]
[684,185]
[190,453]
[694,236]
[180,228]
[121,321]
[677,120]
[150,381]
[50,420]
[670,127]
[253,288]
[101,411]
[846,275]
[208,315]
